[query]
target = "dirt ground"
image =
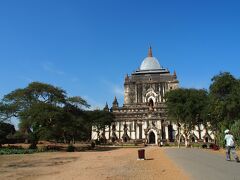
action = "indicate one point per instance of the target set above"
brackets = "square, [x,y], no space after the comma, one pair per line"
[116,163]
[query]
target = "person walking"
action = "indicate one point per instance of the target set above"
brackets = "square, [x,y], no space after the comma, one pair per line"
[230,146]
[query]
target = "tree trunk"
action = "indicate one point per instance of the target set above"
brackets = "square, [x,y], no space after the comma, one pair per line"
[98,135]
[73,139]
[199,132]
[64,139]
[179,136]
[186,140]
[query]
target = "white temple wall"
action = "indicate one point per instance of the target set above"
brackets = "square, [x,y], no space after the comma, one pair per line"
[94,135]
[134,134]
[166,132]
[196,133]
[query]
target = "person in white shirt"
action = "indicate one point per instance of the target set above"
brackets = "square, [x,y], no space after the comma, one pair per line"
[230,146]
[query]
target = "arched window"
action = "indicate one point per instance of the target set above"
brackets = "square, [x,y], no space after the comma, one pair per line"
[152,139]
[206,139]
[193,139]
[151,104]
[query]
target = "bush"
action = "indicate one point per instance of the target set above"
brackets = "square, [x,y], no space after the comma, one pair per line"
[32,146]
[70,148]
[236,133]
[53,148]
[14,147]
[92,144]
[18,137]
[197,145]
[213,146]
[6,151]
[97,142]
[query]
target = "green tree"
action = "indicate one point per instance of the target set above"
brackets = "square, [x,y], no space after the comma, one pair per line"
[224,103]
[175,101]
[197,108]
[100,120]
[41,109]
[5,130]
[224,98]
[187,108]
[235,129]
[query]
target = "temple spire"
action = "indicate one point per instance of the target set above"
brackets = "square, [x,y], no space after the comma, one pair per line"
[175,74]
[115,102]
[150,52]
[106,107]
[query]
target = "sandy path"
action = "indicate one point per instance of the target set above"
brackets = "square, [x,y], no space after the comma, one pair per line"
[114,164]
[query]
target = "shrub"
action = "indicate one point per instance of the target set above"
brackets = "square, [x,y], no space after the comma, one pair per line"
[6,151]
[14,147]
[53,148]
[196,145]
[97,142]
[32,146]
[92,144]
[70,148]
[213,146]
[236,133]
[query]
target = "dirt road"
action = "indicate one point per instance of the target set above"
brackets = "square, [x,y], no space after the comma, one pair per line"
[112,164]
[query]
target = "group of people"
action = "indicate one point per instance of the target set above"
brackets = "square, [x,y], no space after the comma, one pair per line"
[230,146]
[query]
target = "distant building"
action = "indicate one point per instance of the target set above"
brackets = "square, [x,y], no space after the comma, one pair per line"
[143,115]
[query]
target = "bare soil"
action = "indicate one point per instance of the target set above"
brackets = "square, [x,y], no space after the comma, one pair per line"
[118,163]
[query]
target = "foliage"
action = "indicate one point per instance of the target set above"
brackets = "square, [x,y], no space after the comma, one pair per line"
[100,120]
[187,108]
[224,99]
[235,130]
[6,151]
[70,148]
[6,129]
[20,150]
[224,105]
[45,112]
[219,108]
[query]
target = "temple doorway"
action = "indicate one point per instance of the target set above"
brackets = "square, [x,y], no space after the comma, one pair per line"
[152,139]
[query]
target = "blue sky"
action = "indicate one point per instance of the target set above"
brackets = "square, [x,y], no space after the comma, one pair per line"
[88,46]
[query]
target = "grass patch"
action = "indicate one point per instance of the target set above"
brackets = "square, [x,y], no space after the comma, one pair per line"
[7,151]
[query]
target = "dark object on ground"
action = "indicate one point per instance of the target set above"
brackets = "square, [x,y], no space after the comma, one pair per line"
[70,148]
[141,154]
[97,142]
[214,147]
[92,144]
[33,146]
[204,146]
